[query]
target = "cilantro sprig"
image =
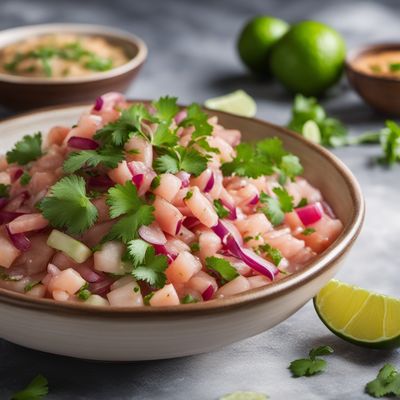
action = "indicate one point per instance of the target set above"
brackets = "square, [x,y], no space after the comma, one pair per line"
[223,267]
[28,149]
[68,207]
[266,157]
[312,365]
[125,203]
[386,383]
[273,253]
[332,131]
[36,390]
[276,207]
[221,211]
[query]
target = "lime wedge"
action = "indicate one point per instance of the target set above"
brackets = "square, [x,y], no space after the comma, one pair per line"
[311,131]
[238,102]
[359,316]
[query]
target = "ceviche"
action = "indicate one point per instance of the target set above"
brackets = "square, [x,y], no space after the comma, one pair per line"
[148,204]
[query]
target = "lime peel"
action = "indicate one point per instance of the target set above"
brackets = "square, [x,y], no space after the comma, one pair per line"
[237,102]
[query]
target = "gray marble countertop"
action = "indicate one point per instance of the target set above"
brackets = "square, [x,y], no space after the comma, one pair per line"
[192,56]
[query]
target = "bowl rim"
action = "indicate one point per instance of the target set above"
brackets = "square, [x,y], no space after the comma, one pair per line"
[89,29]
[321,263]
[353,54]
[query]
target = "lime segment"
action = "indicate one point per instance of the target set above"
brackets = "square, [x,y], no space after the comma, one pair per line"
[238,102]
[359,316]
[311,131]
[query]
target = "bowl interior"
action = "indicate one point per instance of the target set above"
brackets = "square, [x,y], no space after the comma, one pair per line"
[322,169]
[134,48]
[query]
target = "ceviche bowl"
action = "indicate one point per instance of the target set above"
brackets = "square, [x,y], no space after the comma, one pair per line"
[110,333]
[27,92]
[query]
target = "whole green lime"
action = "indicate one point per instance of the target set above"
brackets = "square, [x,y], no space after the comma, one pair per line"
[309,58]
[256,39]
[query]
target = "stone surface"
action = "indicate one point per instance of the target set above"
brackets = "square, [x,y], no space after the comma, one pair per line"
[192,55]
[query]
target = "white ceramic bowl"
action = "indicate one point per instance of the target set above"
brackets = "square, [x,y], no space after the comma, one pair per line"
[119,334]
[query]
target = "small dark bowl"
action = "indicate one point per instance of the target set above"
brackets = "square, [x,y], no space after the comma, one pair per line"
[380,92]
[19,92]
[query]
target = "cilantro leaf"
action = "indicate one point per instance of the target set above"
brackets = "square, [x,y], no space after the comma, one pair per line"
[272,149]
[137,249]
[37,389]
[188,299]
[28,149]
[166,108]
[272,252]
[117,133]
[126,228]
[290,167]
[386,383]
[4,190]
[167,163]
[276,207]
[313,365]
[152,270]
[68,206]
[333,133]
[25,179]
[223,267]
[122,199]
[108,157]
[199,120]
[308,231]
[164,136]
[221,211]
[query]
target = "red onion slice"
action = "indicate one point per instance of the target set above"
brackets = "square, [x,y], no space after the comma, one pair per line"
[210,183]
[102,181]
[19,240]
[208,293]
[180,116]
[161,249]
[111,100]
[8,216]
[254,200]
[142,176]
[138,180]
[3,201]
[82,143]
[178,226]
[310,213]
[327,210]
[100,287]
[252,259]
[15,173]
[152,234]
[87,273]
[184,177]
[191,222]
[98,105]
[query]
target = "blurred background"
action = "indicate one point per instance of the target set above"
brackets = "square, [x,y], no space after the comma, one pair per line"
[192,55]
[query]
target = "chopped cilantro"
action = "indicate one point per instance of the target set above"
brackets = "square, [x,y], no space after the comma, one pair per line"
[109,157]
[4,190]
[155,183]
[25,179]
[221,211]
[188,299]
[28,287]
[84,293]
[223,267]
[276,207]
[189,195]
[136,289]
[272,252]
[6,277]
[28,149]
[124,200]
[308,231]
[67,206]
[36,390]
[312,365]
[147,298]
[265,158]
[394,67]
[387,383]
[97,63]
[302,203]
[194,247]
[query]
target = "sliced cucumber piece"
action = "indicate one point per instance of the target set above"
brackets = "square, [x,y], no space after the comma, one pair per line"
[68,245]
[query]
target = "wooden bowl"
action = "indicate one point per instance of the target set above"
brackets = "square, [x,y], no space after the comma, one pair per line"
[380,92]
[144,333]
[19,92]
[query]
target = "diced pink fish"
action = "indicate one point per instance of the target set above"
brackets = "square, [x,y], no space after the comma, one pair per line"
[230,136]
[139,149]
[186,235]
[257,281]
[169,187]
[226,152]
[27,223]
[209,243]
[38,291]
[67,280]
[238,285]
[183,268]
[121,174]
[166,296]
[168,216]
[108,258]
[201,208]
[287,244]
[146,175]
[300,188]
[8,253]
[56,135]
[253,225]
[5,178]
[201,281]
[126,294]
[175,246]
[87,126]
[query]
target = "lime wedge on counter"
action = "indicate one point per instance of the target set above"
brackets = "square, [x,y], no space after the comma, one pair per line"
[359,316]
[311,131]
[238,102]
